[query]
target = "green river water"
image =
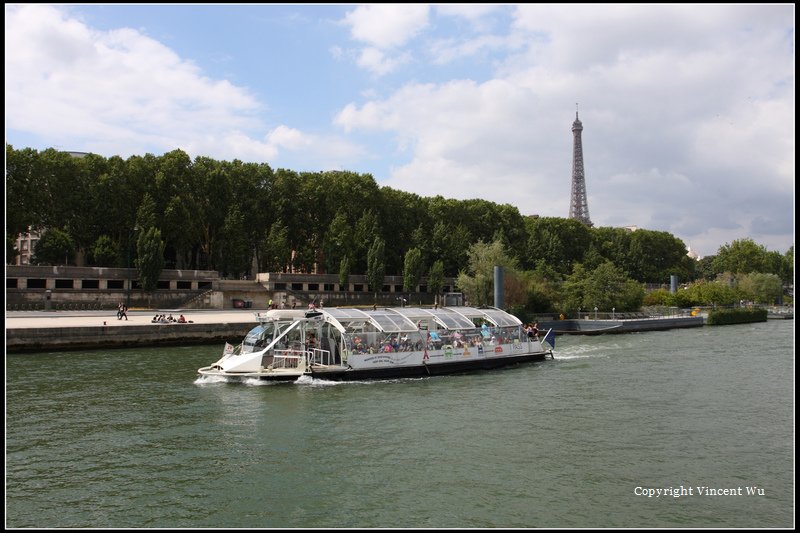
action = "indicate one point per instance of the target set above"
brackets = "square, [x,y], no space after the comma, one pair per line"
[132,438]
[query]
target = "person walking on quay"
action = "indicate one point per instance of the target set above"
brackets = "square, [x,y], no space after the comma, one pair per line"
[119,311]
[123,312]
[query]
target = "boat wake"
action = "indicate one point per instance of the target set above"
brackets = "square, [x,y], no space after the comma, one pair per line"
[210,380]
[581,352]
[309,381]
[213,380]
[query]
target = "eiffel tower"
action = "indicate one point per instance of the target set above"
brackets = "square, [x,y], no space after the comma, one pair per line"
[578,206]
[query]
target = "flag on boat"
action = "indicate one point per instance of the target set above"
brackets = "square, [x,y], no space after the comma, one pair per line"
[228,348]
[550,338]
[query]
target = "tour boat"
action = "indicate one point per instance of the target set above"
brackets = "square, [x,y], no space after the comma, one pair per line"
[344,344]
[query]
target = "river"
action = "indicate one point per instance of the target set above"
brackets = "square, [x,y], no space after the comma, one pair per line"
[675,429]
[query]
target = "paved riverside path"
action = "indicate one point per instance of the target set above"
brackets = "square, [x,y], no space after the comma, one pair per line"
[82,319]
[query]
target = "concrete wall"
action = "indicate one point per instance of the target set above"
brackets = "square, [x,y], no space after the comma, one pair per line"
[59,287]
[42,339]
[68,287]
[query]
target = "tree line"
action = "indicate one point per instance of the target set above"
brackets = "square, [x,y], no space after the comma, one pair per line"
[238,218]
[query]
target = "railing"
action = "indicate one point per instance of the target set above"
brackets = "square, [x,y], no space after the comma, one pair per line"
[322,357]
[195,298]
[286,359]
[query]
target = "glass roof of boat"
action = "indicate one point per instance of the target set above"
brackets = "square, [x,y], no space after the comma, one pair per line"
[383,319]
[498,317]
[404,318]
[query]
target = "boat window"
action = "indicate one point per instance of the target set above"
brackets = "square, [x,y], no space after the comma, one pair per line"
[255,337]
[383,342]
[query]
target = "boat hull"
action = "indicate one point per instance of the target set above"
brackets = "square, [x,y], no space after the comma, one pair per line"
[242,376]
[434,369]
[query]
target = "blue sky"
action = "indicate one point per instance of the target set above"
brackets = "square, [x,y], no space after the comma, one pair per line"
[688,111]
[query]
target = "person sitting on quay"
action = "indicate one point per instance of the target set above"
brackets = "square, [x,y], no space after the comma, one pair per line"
[181,319]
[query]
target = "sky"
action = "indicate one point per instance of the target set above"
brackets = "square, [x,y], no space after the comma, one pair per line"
[687,110]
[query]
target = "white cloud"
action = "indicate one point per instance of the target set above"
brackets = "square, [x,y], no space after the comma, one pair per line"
[688,120]
[446,50]
[118,90]
[466,140]
[387,26]
[379,63]
[122,93]
[473,12]
[385,29]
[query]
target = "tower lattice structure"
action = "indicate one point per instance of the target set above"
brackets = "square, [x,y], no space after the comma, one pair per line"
[578,206]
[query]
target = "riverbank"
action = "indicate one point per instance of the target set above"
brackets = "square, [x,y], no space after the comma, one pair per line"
[28,331]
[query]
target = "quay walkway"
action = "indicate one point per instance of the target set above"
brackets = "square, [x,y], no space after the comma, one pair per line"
[28,331]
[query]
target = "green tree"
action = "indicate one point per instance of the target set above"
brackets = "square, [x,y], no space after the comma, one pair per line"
[338,241]
[605,287]
[181,230]
[344,271]
[412,269]
[450,244]
[234,248]
[376,266]
[657,297]
[560,241]
[436,279]
[104,252]
[150,257]
[146,216]
[705,268]
[25,200]
[741,256]
[212,197]
[760,288]
[366,231]
[276,252]
[477,282]
[707,292]
[653,256]
[55,247]
[788,266]
[543,288]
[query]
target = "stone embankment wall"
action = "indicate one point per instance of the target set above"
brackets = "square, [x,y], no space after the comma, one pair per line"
[92,337]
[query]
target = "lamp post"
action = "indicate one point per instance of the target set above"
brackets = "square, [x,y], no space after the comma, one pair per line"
[130,275]
[613,311]
[595,312]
